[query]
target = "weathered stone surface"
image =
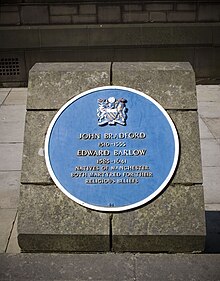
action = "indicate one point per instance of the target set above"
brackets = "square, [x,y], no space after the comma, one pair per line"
[34,168]
[174,222]
[189,169]
[49,221]
[171,84]
[52,84]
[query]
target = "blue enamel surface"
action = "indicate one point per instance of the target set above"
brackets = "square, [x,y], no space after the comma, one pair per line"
[80,117]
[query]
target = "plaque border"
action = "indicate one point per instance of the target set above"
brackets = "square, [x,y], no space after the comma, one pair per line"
[127,207]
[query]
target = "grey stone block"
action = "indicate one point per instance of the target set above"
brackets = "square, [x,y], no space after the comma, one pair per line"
[7,18]
[209,12]
[158,16]
[181,16]
[60,19]
[172,34]
[109,14]
[71,36]
[24,37]
[59,10]
[33,165]
[49,221]
[84,18]
[37,122]
[133,7]
[34,14]
[136,17]
[12,8]
[88,9]
[174,222]
[190,166]
[52,84]
[158,7]
[110,36]
[171,84]
[186,7]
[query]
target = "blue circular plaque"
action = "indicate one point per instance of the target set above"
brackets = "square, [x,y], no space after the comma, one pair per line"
[111,148]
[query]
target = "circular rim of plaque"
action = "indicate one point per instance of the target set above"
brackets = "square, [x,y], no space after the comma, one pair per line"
[126,207]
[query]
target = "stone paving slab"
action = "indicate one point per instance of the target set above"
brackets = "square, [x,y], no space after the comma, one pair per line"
[209,109]
[9,189]
[10,180]
[20,89]
[12,113]
[10,156]
[208,93]
[16,97]
[2,90]
[9,198]
[106,267]
[212,207]
[3,96]
[214,125]
[11,131]
[204,130]
[210,153]
[211,184]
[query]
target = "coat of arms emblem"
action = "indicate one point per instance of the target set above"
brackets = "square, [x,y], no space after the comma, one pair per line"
[111,111]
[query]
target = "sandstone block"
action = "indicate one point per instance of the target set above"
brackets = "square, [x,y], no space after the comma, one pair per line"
[174,222]
[52,84]
[171,84]
[49,221]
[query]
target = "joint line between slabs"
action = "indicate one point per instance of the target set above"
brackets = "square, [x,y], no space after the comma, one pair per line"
[10,234]
[6,98]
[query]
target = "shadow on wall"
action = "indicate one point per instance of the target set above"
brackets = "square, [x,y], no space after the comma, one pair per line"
[213,232]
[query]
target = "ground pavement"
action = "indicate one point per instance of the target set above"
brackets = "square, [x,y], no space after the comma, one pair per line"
[12,118]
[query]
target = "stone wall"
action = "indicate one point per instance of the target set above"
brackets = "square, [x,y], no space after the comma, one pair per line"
[98,12]
[119,30]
